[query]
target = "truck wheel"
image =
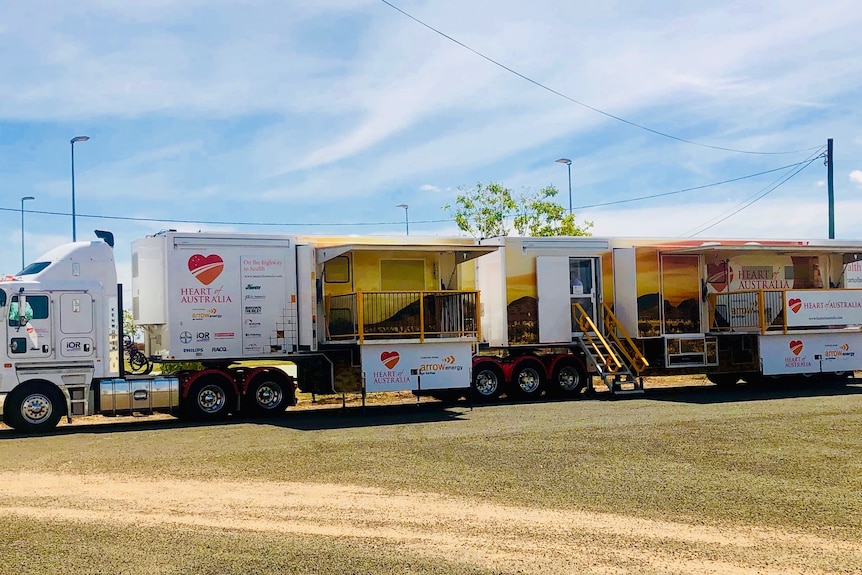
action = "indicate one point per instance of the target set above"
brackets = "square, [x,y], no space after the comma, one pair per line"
[528,380]
[266,397]
[208,399]
[569,379]
[487,382]
[33,407]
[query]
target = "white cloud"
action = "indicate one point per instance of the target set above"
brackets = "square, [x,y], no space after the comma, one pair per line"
[856,177]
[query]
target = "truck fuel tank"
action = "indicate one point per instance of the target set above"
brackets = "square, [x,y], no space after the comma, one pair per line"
[124,396]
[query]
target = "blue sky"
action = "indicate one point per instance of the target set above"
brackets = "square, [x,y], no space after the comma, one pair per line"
[322,116]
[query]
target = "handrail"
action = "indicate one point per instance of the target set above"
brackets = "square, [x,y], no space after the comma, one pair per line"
[626,345]
[413,314]
[766,310]
[591,333]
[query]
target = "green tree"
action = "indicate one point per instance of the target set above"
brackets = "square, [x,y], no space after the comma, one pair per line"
[539,215]
[486,210]
[482,211]
[130,328]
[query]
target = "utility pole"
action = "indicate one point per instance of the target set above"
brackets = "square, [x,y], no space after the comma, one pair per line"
[829,171]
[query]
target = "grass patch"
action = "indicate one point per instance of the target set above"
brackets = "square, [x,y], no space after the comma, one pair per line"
[29,547]
[786,461]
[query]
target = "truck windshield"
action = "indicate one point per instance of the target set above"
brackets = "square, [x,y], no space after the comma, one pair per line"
[33,268]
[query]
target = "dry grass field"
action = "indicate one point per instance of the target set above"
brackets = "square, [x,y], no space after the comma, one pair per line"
[686,479]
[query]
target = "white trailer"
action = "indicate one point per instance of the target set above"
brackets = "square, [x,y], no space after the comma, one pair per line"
[231,309]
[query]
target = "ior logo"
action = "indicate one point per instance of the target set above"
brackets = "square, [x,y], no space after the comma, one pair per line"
[796,347]
[206,268]
[795,304]
[390,359]
[186,336]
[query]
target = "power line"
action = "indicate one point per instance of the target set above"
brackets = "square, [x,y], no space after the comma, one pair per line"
[752,199]
[804,164]
[640,198]
[578,102]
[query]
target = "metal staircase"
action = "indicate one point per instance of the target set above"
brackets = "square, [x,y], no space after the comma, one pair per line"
[616,357]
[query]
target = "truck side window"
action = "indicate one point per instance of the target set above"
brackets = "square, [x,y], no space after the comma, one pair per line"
[36,308]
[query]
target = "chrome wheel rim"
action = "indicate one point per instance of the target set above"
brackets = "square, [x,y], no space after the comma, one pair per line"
[211,398]
[36,408]
[528,380]
[486,382]
[568,379]
[268,395]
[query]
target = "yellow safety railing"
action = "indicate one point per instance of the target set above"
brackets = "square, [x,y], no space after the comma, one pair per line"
[625,344]
[402,315]
[601,350]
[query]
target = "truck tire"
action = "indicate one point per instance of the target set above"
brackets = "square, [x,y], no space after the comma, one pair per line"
[209,398]
[487,382]
[267,396]
[34,407]
[528,380]
[568,380]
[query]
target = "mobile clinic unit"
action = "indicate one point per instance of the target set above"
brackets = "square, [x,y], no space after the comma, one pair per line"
[351,316]
[556,309]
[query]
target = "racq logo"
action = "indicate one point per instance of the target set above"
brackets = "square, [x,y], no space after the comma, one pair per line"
[253,309]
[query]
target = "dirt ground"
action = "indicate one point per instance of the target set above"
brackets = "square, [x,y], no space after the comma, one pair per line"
[474,532]
[471,532]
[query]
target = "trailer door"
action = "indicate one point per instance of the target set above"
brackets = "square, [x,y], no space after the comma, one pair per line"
[561,283]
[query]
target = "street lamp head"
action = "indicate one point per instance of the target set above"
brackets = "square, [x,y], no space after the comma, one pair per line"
[566,161]
[405,206]
[79,139]
[27,198]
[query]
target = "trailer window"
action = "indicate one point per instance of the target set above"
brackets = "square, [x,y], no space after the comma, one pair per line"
[402,275]
[337,270]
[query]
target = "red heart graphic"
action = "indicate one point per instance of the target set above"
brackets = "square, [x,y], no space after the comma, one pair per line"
[717,275]
[206,268]
[795,304]
[390,359]
[796,347]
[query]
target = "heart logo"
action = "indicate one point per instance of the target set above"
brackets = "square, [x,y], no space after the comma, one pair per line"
[390,359]
[717,276]
[796,347]
[206,268]
[795,304]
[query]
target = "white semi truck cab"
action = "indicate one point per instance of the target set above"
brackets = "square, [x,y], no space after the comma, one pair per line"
[61,323]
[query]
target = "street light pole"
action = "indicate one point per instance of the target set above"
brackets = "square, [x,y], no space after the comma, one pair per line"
[24,199]
[406,219]
[568,163]
[72,141]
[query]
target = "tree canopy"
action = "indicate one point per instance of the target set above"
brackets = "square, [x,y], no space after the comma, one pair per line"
[489,210]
